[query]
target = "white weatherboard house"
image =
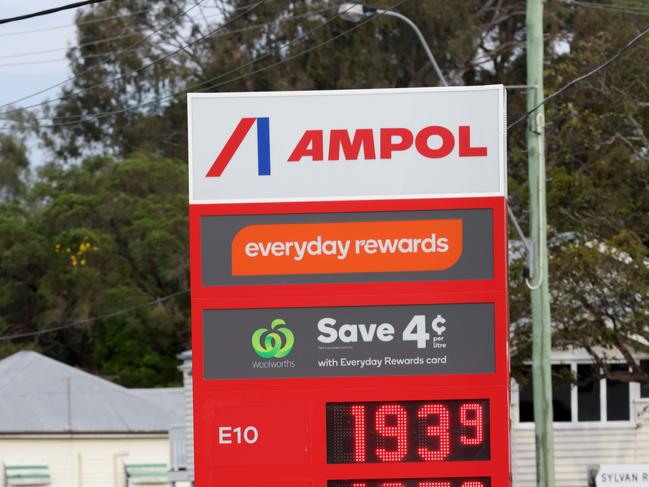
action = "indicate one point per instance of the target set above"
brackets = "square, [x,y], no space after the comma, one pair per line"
[62,427]
[598,423]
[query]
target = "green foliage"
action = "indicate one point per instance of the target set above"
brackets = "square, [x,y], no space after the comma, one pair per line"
[102,236]
[14,167]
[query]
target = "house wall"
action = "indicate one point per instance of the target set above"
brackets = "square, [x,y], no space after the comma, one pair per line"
[578,448]
[186,369]
[84,460]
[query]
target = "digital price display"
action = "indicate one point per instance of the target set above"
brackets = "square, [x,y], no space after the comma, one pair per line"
[409,431]
[454,482]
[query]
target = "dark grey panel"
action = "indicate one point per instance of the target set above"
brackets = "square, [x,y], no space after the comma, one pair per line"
[476,262]
[461,341]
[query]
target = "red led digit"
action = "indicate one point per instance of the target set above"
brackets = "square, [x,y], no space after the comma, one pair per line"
[393,484]
[434,484]
[476,422]
[441,430]
[360,443]
[359,484]
[472,483]
[399,431]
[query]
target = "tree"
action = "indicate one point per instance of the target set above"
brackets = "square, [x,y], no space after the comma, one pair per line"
[103,236]
[14,168]
[127,101]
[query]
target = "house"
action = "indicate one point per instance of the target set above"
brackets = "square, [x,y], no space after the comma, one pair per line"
[182,438]
[595,423]
[62,427]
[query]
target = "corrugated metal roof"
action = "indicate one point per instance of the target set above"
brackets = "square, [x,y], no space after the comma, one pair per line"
[170,398]
[41,395]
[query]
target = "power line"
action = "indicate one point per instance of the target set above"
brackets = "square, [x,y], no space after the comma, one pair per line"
[178,293]
[75,24]
[590,73]
[612,8]
[223,34]
[205,84]
[85,44]
[49,11]
[142,68]
[286,59]
[86,321]
[27,63]
[137,44]
[61,83]
[93,21]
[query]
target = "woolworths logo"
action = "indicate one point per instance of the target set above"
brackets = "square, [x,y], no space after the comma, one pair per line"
[276,342]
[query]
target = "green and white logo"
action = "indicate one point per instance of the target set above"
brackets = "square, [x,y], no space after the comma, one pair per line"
[274,343]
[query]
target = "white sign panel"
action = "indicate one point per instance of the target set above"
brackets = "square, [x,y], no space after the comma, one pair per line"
[622,476]
[350,144]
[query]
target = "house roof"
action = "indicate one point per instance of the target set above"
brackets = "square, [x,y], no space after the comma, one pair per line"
[170,398]
[42,395]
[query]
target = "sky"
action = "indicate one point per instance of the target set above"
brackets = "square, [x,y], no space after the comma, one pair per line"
[16,40]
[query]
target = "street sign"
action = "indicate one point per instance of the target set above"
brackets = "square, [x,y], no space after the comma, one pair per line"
[349,288]
[350,341]
[622,475]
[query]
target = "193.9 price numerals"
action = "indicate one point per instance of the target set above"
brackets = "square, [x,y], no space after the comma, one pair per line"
[410,431]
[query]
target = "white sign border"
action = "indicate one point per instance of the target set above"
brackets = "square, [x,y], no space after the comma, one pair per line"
[502,163]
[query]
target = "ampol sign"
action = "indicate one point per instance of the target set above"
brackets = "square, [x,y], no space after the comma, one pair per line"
[356,144]
[349,288]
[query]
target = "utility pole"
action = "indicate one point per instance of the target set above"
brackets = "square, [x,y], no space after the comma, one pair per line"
[541,337]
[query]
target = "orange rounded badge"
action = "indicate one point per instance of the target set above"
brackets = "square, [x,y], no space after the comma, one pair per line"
[335,248]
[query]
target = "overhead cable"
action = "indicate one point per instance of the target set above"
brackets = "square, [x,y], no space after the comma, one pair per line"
[49,11]
[87,70]
[74,24]
[629,10]
[152,63]
[83,44]
[590,73]
[222,34]
[87,321]
[178,293]
[206,83]
[86,44]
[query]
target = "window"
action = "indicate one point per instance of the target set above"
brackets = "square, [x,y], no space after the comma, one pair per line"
[34,474]
[561,403]
[588,406]
[526,398]
[644,388]
[591,399]
[146,473]
[617,397]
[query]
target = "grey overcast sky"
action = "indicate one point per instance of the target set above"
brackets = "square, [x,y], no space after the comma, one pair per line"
[17,81]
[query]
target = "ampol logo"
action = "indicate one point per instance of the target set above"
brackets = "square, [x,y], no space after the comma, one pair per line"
[431,142]
[274,343]
[233,143]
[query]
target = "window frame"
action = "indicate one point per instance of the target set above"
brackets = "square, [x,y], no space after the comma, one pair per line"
[634,395]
